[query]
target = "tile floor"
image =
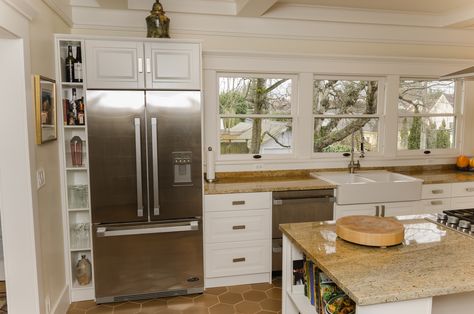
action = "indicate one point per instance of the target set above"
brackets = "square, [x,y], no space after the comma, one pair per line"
[260,298]
[3,298]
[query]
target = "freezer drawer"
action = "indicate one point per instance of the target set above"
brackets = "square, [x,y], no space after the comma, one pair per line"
[138,261]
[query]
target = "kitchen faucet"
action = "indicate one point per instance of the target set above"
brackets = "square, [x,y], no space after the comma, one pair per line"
[353,165]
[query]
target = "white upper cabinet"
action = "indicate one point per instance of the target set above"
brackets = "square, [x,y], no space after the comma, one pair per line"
[143,65]
[172,66]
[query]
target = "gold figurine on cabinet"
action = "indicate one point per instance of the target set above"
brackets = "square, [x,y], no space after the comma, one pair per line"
[157,23]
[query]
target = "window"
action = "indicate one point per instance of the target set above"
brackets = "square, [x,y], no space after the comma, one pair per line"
[255,114]
[343,107]
[426,115]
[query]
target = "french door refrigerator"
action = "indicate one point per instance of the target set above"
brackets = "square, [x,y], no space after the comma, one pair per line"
[146,193]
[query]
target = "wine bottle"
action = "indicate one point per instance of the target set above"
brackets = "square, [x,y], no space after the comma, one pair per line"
[78,66]
[73,109]
[69,65]
[80,112]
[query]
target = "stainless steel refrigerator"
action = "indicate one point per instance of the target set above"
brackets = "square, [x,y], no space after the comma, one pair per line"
[146,193]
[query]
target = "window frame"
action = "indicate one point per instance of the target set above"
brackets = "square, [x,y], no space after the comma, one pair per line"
[380,115]
[457,115]
[293,116]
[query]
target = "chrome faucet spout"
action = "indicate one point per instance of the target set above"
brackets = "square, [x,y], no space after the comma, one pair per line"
[353,165]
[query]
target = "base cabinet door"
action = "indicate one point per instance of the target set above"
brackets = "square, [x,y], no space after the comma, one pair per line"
[356,209]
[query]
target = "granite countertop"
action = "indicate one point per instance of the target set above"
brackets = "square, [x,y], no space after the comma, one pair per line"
[431,261]
[267,181]
[246,184]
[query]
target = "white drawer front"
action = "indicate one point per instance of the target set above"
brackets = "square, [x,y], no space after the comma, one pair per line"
[436,205]
[237,258]
[463,189]
[237,201]
[462,202]
[436,191]
[237,225]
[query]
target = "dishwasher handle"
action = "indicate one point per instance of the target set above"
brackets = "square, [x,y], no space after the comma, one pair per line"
[317,199]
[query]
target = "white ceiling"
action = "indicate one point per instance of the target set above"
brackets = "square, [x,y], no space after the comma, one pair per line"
[415,6]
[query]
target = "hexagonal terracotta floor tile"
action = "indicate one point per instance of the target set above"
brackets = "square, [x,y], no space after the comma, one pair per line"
[254,295]
[230,298]
[239,289]
[179,303]
[127,308]
[85,305]
[274,293]
[206,300]
[153,306]
[216,290]
[262,286]
[169,311]
[222,309]
[271,305]
[101,309]
[248,307]
[196,309]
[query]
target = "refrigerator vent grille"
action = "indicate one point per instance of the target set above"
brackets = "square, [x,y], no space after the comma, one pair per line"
[150,295]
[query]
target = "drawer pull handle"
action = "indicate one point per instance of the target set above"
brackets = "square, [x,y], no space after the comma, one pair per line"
[436,202]
[437,191]
[239,227]
[238,260]
[469,189]
[238,203]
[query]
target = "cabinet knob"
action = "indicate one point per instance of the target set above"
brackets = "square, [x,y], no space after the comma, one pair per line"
[437,191]
[238,203]
[239,227]
[238,260]
[436,202]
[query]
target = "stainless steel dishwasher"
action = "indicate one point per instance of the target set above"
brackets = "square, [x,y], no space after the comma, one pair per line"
[298,206]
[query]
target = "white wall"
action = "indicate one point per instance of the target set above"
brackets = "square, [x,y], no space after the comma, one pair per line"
[41,208]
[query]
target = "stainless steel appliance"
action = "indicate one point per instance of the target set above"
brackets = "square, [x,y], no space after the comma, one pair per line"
[146,193]
[297,206]
[461,220]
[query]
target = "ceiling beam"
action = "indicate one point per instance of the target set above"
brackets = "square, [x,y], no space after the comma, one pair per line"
[459,18]
[253,8]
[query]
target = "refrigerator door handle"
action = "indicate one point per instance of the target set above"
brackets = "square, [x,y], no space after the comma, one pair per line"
[125,231]
[138,163]
[154,149]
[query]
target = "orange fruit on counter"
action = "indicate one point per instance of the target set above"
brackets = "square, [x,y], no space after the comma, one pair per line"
[462,161]
[471,162]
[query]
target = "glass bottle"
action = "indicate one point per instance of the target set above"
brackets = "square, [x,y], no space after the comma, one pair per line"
[83,271]
[78,66]
[76,151]
[69,65]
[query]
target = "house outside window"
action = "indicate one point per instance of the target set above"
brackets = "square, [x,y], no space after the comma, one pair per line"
[343,107]
[256,114]
[427,115]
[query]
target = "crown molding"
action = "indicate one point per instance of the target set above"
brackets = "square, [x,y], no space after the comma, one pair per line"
[262,27]
[22,7]
[61,11]
[187,6]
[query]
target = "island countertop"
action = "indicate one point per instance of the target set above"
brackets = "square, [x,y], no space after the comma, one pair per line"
[432,261]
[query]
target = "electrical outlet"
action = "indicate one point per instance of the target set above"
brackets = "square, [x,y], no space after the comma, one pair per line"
[40,178]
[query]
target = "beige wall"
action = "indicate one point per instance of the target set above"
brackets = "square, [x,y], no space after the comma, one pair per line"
[49,208]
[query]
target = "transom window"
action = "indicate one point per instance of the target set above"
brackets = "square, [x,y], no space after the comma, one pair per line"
[342,107]
[426,114]
[256,114]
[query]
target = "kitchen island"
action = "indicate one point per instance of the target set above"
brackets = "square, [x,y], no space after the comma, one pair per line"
[430,272]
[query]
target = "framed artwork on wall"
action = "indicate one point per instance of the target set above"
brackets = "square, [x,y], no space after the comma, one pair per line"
[45,108]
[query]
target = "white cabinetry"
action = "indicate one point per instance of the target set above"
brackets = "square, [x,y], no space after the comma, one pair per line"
[237,238]
[377,209]
[446,196]
[75,171]
[118,64]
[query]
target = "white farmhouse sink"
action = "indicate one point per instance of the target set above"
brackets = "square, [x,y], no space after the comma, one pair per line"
[372,186]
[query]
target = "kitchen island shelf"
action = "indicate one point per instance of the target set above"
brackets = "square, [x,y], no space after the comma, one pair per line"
[72,84]
[80,127]
[301,302]
[81,249]
[76,169]
[85,209]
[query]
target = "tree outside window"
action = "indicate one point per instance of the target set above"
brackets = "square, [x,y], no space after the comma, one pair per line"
[341,108]
[426,110]
[255,114]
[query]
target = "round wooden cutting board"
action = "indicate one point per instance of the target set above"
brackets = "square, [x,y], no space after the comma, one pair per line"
[370,230]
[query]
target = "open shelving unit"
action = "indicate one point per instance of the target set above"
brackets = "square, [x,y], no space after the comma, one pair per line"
[75,178]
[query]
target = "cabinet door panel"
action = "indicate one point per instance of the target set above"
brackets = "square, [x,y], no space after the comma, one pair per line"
[114,64]
[357,209]
[173,66]
[401,208]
